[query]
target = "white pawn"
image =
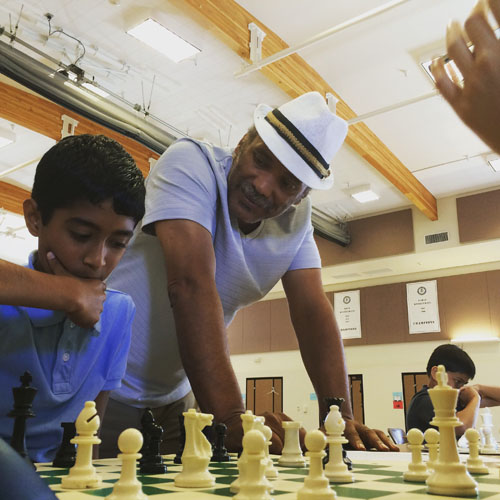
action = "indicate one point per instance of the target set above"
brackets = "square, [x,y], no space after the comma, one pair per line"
[417,470]
[475,464]
[128,487]
[83,474]
[291,454]
[197,452]
[271,471]
[336,470]
[316,485]
[259,426]
[248,420]
[253,483]
[431,437]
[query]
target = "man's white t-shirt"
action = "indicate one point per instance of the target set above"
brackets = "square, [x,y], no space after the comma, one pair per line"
[189,181]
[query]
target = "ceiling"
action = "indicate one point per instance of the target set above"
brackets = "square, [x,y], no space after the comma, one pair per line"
[370,65]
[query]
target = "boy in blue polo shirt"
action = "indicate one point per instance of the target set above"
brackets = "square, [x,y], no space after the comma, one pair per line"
[87,197]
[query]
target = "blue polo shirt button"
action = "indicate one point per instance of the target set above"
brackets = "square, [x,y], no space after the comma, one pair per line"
[71,324]
[66,356]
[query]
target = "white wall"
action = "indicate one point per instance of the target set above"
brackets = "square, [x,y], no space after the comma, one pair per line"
[381,367]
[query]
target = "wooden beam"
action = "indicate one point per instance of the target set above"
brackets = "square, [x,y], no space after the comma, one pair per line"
[293,75]
[43,116]
[12,197]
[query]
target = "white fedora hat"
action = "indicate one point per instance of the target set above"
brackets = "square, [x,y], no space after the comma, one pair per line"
[304,135]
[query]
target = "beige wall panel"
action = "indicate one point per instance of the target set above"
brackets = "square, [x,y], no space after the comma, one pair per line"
[478,216]
[235,334]
[465,304]
[257,327]
[283,336]
[371,238]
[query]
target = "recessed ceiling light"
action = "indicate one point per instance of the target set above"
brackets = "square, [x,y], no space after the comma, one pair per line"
[450,65]
[495,164]
[363,194]
[161,39]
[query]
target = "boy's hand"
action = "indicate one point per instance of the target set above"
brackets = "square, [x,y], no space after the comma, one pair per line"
[85,298]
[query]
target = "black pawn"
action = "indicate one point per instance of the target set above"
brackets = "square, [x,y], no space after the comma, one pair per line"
[66,454]
[219,451]
[182,441]
[152,461]
[23,400]
[337,402]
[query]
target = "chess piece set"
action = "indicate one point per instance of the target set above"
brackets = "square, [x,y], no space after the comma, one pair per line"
[256,468]
[443,473]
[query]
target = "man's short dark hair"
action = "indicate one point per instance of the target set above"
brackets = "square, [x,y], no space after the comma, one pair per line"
[453,358]
[90,168]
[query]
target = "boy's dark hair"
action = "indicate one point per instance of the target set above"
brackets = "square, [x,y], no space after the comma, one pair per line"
[88,167]
[453,358]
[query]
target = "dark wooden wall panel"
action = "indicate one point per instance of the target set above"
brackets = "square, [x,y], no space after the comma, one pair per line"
[477,216]
[493,283]
[283,336]
[383,313]
[371,238]
[465,303]
[235,334]
[357,400]
[257,327]
[263,396]
[468,304]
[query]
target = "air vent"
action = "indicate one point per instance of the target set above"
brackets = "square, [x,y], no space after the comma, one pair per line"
[436,238]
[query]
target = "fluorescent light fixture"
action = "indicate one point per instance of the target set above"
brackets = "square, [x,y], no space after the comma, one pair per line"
[472,339]
[96,90]
[363,194]
[164,41]
[495,164]
[6,137]
[77,88]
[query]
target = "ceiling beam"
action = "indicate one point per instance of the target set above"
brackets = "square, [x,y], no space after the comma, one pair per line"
[44,117]
[295,77]
[12,197]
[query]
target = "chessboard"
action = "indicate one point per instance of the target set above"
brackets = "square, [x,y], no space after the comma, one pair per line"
[377,475]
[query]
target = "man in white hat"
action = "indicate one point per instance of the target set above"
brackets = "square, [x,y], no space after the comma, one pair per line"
[221,229]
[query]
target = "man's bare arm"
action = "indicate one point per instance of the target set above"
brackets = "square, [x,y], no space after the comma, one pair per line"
[323,353]
[490,395]
[468,416]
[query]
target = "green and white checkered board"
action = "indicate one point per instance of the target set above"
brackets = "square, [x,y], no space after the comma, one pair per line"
[382,479]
